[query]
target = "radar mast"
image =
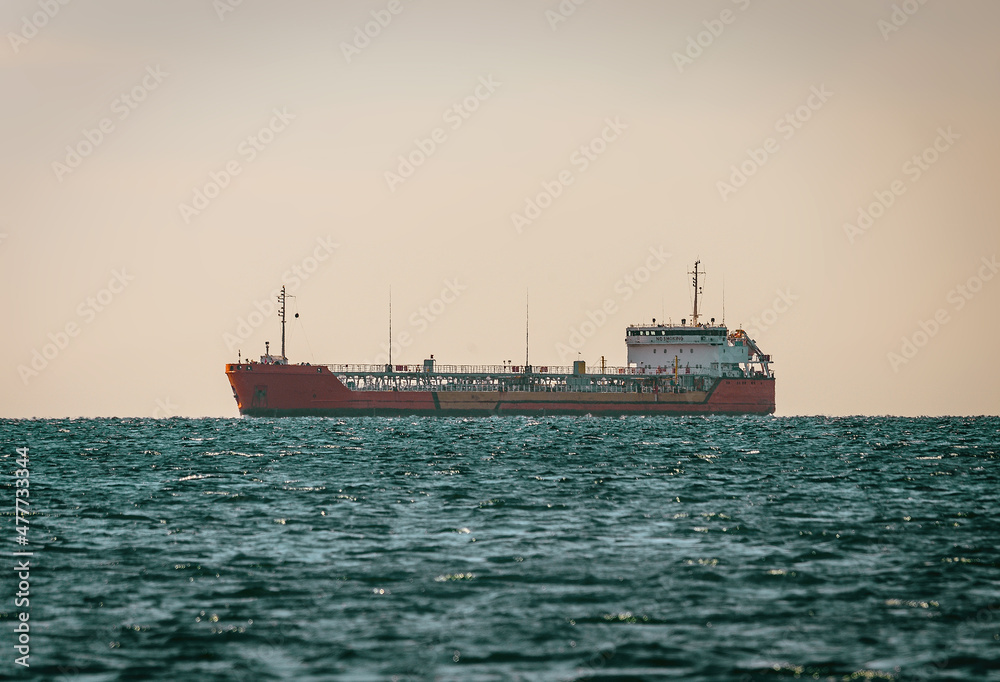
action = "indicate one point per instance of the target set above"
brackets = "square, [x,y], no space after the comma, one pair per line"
[697,290]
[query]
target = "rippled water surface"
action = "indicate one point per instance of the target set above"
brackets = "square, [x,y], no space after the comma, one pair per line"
[509,548]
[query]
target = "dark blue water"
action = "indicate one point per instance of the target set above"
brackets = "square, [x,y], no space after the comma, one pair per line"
[508,548]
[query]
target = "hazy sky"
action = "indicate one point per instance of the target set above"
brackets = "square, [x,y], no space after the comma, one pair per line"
[165,166]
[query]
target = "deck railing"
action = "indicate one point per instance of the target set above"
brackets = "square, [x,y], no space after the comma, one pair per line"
[511,370]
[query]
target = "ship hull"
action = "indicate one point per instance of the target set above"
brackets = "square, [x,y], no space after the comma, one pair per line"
[308,390]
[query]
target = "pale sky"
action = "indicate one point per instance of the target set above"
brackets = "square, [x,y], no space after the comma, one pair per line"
[165,166]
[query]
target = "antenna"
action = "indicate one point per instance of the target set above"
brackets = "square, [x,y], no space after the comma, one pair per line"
[281,314]
[723,299]
[694,314]
[525,330]
[282,298]
[390,325]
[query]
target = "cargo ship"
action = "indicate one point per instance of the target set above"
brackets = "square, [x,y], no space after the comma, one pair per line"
[671,369]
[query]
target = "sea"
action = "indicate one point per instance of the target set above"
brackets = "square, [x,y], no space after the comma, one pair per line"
[503,548]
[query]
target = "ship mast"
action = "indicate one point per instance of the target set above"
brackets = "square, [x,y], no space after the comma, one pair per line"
[389,366]
[526,331]
[694,314]
[281,314]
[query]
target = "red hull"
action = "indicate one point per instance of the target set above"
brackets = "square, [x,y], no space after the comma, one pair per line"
[308,390]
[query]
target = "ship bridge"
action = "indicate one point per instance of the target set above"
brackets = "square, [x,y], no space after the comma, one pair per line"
[685,349]
[695,348]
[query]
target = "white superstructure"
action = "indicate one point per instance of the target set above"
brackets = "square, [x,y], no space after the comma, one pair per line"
[692,350]
[701,349]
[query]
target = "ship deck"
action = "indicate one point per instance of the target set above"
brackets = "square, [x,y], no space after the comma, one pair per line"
[513,378]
